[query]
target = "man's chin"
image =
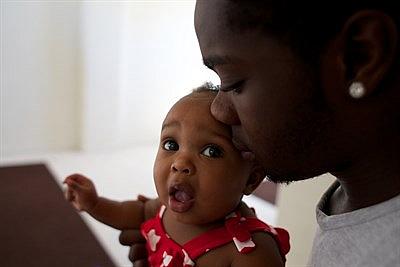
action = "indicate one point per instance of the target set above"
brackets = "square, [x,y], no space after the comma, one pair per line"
[285,178]
[279,180]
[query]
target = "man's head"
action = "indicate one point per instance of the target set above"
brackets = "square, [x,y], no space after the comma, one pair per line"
[285,68]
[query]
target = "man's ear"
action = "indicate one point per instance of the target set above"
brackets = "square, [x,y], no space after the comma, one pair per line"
[370,44]
[256,177]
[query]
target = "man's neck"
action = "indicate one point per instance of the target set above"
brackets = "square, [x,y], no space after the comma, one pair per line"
[372,179]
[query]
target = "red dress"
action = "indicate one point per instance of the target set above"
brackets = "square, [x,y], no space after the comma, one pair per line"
[163,251]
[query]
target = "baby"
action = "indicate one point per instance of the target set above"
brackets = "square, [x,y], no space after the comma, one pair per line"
[200,177]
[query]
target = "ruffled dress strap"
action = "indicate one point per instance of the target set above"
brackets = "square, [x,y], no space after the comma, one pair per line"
[237,229]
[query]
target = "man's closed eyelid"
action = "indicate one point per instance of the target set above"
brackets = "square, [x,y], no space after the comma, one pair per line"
[232,87]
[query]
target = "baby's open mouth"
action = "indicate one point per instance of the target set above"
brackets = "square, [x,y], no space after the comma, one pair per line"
[180,198]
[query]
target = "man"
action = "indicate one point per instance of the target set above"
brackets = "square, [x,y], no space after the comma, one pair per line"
[311,87]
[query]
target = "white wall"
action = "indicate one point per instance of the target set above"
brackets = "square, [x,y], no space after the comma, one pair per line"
[95,75]
[39,77]
[296,213]
[101,43]
[139,58]
[162,63]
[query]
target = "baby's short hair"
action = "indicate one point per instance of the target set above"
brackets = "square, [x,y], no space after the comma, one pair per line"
[206,87]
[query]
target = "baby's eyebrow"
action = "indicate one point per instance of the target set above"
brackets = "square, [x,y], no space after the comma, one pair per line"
[170,124]
[224,137]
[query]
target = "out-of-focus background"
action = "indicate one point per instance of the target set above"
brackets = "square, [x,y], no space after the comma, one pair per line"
[85,86]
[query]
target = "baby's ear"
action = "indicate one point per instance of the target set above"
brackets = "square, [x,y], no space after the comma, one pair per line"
[257,175]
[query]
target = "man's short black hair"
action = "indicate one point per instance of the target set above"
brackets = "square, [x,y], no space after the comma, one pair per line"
[305,25]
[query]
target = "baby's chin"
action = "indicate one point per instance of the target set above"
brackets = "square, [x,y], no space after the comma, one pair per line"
[194,217]
[185,218]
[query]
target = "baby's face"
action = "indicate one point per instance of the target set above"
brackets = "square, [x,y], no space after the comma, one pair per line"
[199,174]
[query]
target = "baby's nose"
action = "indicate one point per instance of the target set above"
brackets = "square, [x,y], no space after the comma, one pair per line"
[182,166]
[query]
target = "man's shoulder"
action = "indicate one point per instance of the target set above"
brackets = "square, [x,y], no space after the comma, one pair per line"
[365,237]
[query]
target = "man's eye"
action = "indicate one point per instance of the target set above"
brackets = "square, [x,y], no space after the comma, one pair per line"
[170,145]
[235,87]
[212,152]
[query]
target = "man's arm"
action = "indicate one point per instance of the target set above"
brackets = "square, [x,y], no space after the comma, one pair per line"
[133,237]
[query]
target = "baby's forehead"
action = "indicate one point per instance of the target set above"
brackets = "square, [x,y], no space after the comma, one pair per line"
[200,100]
[195,108]
[206,95]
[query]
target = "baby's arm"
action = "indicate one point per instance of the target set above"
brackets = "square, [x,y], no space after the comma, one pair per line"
[82,194]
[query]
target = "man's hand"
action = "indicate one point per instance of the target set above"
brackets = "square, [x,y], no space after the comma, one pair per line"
[134,239]
[137,243]
[81,192]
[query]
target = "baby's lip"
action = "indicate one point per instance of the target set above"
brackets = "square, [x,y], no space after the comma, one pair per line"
[181,197]
[173,189]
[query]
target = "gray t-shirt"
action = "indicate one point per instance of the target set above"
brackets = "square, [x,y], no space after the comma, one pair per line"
[368,237]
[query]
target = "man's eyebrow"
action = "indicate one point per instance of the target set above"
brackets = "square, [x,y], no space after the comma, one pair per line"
[212,61]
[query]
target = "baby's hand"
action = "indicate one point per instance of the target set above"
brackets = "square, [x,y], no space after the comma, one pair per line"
[81,192]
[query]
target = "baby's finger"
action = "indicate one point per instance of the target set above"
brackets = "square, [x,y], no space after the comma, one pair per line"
[69,195]
[70,179]
[66,179]
[80,179]
[142,198]
[74,186]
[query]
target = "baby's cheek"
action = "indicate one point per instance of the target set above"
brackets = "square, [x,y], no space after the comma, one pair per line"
[221,204]
[160,188]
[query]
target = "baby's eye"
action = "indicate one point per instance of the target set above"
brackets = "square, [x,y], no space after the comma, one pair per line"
[170,145]
[212,151]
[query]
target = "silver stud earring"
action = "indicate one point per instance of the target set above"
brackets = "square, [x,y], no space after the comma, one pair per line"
[356,90]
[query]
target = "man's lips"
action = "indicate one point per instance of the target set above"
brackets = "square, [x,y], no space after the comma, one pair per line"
[245,152]
[181,197]
[239,145]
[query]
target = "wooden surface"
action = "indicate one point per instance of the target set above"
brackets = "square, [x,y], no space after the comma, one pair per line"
[38,227]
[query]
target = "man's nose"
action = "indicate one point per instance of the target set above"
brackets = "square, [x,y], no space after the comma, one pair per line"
[223,109]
